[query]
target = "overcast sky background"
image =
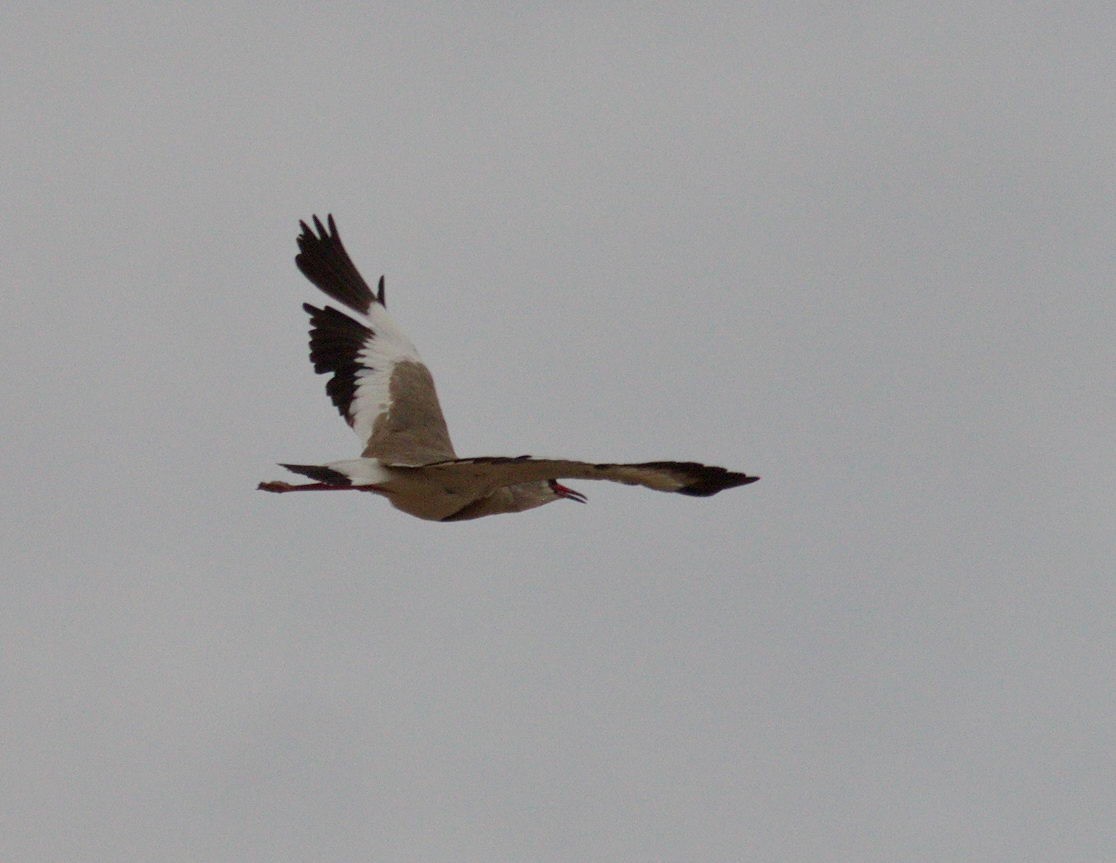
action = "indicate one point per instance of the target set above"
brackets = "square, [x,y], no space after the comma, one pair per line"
[864,253]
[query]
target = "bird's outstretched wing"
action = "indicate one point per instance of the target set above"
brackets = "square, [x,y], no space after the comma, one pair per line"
[487,474]
[378,382]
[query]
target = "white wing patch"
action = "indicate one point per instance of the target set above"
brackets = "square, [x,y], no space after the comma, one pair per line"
[361,471]
[378,358]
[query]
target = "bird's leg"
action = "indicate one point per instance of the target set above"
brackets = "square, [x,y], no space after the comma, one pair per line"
[279,486]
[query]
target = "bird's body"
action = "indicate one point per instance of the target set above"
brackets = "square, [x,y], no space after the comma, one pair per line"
[381,387]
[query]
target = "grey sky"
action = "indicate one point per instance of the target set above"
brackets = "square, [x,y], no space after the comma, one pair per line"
[864,254]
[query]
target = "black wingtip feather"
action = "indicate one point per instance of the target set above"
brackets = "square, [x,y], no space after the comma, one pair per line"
[701,480]
[323,260]
[319,473]
[710,480]
[336,341]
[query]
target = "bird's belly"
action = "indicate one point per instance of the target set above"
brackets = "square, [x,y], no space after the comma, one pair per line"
[423,499]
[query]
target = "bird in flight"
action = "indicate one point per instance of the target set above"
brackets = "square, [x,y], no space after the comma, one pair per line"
[386,394]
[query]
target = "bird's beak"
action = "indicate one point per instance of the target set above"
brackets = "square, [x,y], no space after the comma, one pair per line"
[567,493]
